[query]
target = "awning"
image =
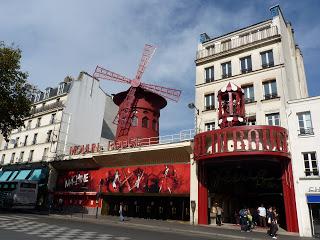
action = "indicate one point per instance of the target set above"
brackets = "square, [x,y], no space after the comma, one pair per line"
[313,198]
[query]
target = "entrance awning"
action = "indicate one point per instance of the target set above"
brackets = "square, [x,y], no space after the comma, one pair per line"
[313,198]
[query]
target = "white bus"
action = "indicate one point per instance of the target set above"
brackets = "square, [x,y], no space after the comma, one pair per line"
[18,194]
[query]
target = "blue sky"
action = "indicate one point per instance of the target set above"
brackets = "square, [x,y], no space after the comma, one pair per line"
[60,38]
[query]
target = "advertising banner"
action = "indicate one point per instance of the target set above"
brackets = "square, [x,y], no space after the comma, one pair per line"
[164,178]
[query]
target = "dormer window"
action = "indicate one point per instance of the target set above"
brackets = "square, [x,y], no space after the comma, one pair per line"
[47,93]
[37,97]
[61,88]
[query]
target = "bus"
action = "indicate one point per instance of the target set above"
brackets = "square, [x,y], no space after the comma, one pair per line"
[19,194]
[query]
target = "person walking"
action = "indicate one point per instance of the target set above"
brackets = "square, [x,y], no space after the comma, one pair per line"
[262,215]
[219,215]
[273,223]
[121,212]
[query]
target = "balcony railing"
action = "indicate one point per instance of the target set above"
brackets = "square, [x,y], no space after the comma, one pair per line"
[238,42]
[184,135]
[270,96]
[47,107]
[249,100]
[243,140]
[306,131]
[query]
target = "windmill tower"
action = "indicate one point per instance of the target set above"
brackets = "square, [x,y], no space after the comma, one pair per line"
[140,105]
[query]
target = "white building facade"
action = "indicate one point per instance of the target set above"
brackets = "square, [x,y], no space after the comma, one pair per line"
[77,111]
[304,133]
[264,60]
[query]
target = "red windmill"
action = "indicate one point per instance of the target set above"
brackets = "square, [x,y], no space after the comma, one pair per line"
[139,106]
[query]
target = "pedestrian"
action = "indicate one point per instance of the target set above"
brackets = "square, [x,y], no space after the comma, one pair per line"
[121,212]
[60,204]
[243,219]
[273,223]
[236,217]
[219,215]
[213,214]
[262,215]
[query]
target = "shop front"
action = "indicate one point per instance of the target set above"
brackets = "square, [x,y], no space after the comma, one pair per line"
[151,182]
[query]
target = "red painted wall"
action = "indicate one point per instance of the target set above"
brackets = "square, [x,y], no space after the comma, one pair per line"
[162,179]
[148,105]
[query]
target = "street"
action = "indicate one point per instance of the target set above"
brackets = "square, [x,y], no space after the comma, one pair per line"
[17,226]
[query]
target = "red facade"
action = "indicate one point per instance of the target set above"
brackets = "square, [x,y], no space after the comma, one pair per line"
[156,179]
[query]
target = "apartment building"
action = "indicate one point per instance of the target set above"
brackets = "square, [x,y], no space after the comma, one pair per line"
[265,61]
[304,133]
[77,111]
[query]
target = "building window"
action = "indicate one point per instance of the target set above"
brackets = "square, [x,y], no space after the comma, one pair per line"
[134,122]
[12,157]
[49,133]
[6,145]
[30,158]
[248,93]
[209,126]
[270,89]
[267,59]
[47,93]
[209,101]
[145,122]
[226,45]
[45,154]
[29,125]
[37,97]
[34,141]
[2,158]
[209,74]
[154,125]
[305,123]
[273,119]
[310,164]
[246,64]
[251,120]
[38,122]
[21,156]
[53,118]
[226,70]
[25,140]
[60,88]
[16,142]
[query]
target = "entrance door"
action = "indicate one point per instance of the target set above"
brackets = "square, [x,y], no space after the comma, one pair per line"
[315,218]
[247,184]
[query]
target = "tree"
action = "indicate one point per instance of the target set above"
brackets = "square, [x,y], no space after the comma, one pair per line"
[14,90]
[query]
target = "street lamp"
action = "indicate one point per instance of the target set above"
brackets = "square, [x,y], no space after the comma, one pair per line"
[192,106]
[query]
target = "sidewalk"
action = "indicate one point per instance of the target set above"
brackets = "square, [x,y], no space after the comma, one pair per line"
[225,232]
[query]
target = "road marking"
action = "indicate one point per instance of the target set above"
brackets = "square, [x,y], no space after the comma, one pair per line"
[36,228]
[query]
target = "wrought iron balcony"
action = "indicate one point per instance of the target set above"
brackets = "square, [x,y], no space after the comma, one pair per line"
[242,41]
[242,140]
[306,131]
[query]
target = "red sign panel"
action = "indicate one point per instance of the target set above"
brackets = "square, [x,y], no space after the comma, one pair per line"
[170,179]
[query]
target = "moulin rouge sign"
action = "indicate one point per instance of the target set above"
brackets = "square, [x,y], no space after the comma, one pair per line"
[112,145]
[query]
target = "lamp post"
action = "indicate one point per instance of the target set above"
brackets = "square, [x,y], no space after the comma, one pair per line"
[192,106]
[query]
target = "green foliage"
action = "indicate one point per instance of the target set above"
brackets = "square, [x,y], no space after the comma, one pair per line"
[14,90]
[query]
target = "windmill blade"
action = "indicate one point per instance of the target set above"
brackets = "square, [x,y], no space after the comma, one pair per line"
[148,52]
[169,93]
[102,73]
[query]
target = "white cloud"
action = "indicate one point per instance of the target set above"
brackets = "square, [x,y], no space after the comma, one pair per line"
[60,38]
